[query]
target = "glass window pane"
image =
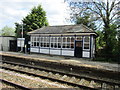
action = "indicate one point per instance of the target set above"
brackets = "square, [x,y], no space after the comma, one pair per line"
[79,38]
[72,39]
[86,39]
[38,44]
[44,44]
[68,39]
[37,39]
[68,45]
[59,45]
[86,46]
[72,45]
[86,42]
[47,40]
[41,39]
[34,38]
[32,44]
[63,45]
[59,39]
[41,45]
[47,44]
[64,39]
[51,45]
[35,44]
[55,45]
[44,39]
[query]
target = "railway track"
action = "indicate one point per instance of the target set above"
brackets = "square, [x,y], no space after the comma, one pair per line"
[15,85]
[70,79]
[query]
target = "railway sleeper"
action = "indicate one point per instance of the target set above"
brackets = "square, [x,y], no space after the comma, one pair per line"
[73,79]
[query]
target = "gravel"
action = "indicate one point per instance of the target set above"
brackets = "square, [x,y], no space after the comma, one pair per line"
[57,76]
[30,81]
[4,85]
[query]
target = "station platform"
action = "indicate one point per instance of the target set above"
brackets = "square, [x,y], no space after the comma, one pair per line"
[88,63]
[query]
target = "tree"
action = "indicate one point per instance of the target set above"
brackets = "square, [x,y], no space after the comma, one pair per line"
[7,31]
[106,12]
[103,13]
[111,39]
[34,20]
[86,20]
[18,30]
[100,44]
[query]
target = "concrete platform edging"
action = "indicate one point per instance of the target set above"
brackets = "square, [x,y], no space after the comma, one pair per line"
[63,67]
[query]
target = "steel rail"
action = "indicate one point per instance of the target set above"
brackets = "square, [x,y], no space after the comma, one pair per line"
[50,78]
[72,75]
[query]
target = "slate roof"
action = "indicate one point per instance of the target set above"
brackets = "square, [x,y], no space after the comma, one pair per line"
[62,29]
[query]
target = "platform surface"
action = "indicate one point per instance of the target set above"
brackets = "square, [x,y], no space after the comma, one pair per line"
[67,60]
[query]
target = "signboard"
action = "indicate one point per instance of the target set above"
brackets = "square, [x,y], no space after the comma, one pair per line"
[20,42]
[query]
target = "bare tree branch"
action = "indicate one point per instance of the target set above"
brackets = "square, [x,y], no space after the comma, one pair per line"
[102,5]
[112,6]
[98,9]
[114,15]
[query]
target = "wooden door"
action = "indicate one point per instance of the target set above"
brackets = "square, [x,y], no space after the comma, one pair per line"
[78,49]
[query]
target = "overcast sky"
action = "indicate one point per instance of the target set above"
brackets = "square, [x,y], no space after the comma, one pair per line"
[12,11]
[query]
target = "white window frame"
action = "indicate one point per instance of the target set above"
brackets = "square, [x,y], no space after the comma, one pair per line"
[85,42]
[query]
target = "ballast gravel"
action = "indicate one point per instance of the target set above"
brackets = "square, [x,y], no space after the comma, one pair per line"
[57,76]
[5,86]
[30,81]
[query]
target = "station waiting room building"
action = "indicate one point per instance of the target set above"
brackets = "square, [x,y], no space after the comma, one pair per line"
[66,40]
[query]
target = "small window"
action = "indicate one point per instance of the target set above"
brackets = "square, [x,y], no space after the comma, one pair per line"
[72,45]
[86,42]
[41,44]
[38,44]
[44,39]
[59,45]
[64,39]
[47,44]
[79,38]
[86,39]
[68,39]
[35,44]
[72,39]
[86,46]
[41,39]
[68,45]
[37,39]
[51,45]
[32,44]
[72,42]
[34,39]
[63,45]
[59,39]
[55,45]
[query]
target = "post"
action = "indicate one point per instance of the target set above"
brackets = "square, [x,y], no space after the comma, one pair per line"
[22,36]
[25,48]
[22,30]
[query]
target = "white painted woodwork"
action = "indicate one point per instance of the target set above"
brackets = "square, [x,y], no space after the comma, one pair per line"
[67,53]
[45,51]
[86,54]
[55,52]
[34,50]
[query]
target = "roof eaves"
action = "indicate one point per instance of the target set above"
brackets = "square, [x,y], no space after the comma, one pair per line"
[87,28]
